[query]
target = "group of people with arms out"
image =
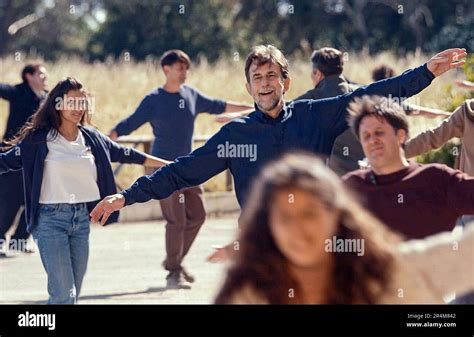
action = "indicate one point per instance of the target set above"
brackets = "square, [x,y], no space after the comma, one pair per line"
[332,209]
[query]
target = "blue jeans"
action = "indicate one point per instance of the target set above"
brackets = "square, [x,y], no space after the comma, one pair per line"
[62,236]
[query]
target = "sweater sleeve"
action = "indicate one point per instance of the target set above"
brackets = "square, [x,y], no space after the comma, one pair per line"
[446,260]
[191,170]
[459,191]
[208,104]
[7,91]
[431,139]
[11,160]
[141,115]
[122,154]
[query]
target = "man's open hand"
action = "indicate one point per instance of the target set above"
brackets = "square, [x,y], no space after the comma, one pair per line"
[106,207]
[446,60]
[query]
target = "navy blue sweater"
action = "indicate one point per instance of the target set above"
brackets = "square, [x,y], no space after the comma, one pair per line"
[30,154]
[310,125]
[171,116]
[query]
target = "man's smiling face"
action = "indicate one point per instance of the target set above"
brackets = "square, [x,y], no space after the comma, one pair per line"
[267,85]
[380,141]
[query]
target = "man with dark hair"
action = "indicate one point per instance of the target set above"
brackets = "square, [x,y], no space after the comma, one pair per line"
[171,111]
[170,57]
[328,64]
[24,99]
[412,199]
[246,144]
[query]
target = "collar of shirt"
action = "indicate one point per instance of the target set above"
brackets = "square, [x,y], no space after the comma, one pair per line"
[283,116]
[38,96]
[331,80]
[386,179]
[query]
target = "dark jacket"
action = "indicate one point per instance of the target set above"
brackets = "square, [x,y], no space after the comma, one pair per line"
[30,155]
[310,125]
[330,86]
[23,103]
[347,150]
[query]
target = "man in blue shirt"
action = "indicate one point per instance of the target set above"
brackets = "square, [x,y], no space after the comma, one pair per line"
[246,144]
[171,111]
[24,99]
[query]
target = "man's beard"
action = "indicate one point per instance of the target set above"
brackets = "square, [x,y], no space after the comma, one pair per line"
[273,105]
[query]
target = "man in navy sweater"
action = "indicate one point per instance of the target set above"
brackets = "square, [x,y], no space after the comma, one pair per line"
[24,99]
[246,144]
[171,111]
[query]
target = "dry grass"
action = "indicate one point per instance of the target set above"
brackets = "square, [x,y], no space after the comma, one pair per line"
[118,88]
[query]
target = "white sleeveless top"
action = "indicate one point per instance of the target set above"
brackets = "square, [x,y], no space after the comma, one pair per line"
[70,174]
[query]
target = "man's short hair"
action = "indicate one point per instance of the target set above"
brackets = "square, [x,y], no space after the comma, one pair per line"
[170,57]
[328,60]
[383,108]
[30,69]
[382,72]
[266,54]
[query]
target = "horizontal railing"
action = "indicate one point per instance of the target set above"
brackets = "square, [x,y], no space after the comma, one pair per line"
[143,143]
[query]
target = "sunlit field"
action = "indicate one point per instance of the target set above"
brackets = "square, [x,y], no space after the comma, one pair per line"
[119,86]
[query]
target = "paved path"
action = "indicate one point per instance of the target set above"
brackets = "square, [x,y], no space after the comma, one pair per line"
[125,267]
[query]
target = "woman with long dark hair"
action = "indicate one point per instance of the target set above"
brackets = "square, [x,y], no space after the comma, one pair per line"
[305,240]
[66,171]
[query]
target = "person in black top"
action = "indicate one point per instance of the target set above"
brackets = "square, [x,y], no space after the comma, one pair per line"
[24,99]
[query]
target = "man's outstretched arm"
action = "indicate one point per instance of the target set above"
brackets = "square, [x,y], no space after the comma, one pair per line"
[436,137]
[465,85]
[142,115]
[400,87]
[191,170]
[7,91]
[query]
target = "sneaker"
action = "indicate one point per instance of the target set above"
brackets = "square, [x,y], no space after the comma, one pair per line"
[176,280]
[188,277]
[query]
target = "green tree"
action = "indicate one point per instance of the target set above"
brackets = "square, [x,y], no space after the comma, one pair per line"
[149,27]
[47,29]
